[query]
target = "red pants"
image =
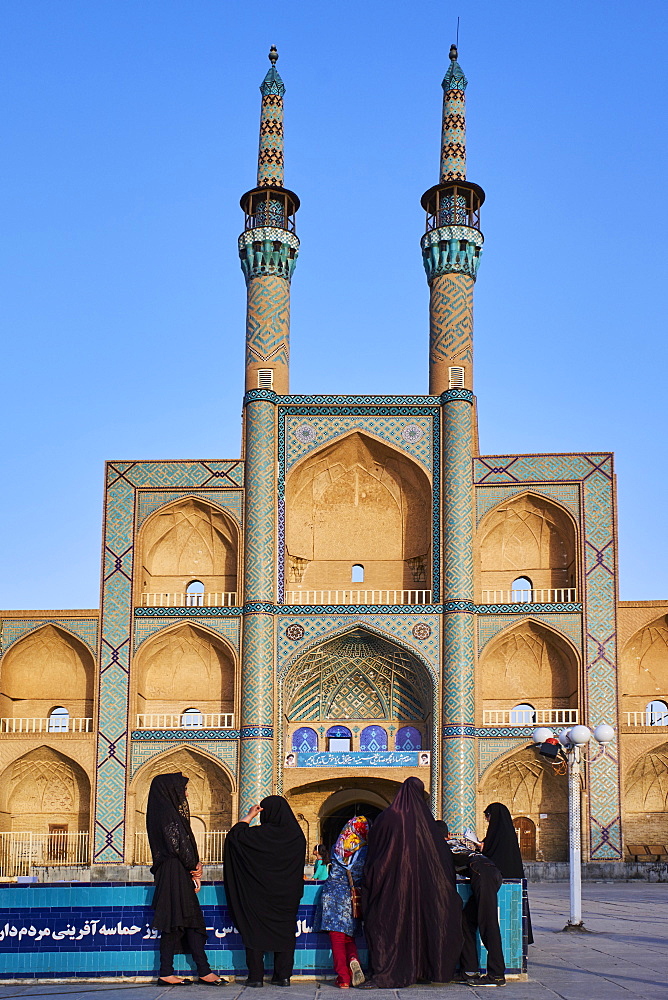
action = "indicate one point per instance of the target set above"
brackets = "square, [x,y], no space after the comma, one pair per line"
[343,950]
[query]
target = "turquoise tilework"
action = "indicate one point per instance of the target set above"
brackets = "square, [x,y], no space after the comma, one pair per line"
[595,475]
[228,628]
[16,628]
[123,480]
[230,500]
[226,751]
[490,750]
[568,495]
[568,625]
[412,435]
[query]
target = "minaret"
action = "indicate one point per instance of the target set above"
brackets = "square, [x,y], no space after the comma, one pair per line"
[451,251]
[268,249]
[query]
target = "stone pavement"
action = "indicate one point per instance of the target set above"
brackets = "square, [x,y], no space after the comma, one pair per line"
[624,955]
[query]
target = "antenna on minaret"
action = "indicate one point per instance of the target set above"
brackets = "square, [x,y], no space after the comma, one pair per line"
[457,38]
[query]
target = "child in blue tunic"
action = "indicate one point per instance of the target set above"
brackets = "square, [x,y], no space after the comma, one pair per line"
[335,911]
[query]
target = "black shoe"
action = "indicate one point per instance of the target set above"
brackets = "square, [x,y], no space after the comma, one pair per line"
[488,981]
[281,982]
[184,982]
[368,985]
[463,979]
[254,983]
[215,982]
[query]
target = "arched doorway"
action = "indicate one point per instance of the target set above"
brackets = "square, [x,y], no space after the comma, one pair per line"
[526,835]
[332,824]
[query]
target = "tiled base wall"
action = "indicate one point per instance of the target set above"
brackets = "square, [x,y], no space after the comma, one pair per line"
[69,930]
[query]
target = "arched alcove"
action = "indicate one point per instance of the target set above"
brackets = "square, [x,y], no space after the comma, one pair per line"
[182,667]
[185,543]
[646,798]
[644,669]
[44,789]
[528,785]
[209,791]
[528,537]
[529,664]
[358,503]
[47,668]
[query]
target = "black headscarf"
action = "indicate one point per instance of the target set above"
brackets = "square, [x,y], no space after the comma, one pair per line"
[175,855]
[501,846]
[264,876]
[412,913]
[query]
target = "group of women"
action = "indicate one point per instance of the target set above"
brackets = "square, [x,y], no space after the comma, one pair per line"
[398,873]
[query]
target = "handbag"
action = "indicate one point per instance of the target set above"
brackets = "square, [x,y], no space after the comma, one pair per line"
[355,899]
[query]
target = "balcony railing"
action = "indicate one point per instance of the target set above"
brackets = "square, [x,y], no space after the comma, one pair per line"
[56,724]
[189,600]
[20,850]
[646,718]
[210,846]
[530,717]
[215,720]
[563,595]
[358,597]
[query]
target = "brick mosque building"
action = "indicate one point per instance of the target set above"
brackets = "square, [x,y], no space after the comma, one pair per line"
[360,597]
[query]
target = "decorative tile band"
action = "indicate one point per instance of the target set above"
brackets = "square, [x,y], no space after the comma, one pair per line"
[306,400]
[451,250]
[257,732]
[357,609]
[526,609]
[268,250]
[185,734]
[450,394]
[449,732]
[189,612]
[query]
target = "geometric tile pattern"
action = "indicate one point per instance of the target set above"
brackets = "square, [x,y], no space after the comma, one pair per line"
[124,480]
[453,129]
[227,627]
[12,629]
[568,625]
[228,500]
[567,495]
[268,321]
[226,751]
[450,319]
[396,431]
[594,473]
[270,156]
[412,442]
[457,501]
[491,750]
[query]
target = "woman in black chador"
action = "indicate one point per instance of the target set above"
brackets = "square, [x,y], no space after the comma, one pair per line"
[412,912]
[178,872]
[264,881]
[501,846]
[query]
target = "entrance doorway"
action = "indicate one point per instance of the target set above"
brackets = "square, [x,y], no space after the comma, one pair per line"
[526,835]
[332,825]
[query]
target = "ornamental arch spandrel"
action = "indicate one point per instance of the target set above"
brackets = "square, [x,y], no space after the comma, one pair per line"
[48,667]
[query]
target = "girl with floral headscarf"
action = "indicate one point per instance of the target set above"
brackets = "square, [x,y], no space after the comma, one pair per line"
[335,909]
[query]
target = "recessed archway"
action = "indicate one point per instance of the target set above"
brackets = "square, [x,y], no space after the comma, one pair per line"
[357,502]
[646,798]
[46,668]
[322,805]
[43,789]
[644,669]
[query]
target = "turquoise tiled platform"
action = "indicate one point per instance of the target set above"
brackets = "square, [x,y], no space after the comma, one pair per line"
[82,929]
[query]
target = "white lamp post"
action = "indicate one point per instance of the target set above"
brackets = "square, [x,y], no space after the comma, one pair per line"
[572,744]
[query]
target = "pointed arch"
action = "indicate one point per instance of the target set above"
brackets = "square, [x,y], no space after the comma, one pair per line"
[187,539]
[644,663]
[527,535]
[47,666]
[646,797]
[358,501]
[181,666]
[529,661]
[44,787]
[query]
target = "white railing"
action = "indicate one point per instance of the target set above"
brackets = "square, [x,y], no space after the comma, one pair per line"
[216,720]
[564,595]
[358,597]
[189,600]
[56,724]
[20,850]
[530,717]
[210,846]
[647,718]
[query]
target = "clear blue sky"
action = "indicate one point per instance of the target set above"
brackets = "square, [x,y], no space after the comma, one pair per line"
[130,132]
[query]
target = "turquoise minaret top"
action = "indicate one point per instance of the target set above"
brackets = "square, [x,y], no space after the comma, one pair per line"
[270,154]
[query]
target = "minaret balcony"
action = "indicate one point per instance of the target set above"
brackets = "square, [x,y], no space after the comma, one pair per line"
[346,597]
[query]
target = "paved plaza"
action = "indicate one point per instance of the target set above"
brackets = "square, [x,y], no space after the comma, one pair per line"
[624,955]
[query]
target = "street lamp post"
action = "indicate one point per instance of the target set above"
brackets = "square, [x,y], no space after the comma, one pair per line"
[570,744]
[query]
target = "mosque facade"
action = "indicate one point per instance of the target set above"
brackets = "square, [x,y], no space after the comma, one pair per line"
[360,597]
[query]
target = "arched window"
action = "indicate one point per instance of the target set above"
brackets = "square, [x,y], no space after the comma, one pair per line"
[522,715]
[195,594]
[339,738]
[408,738]
[521,590]
[357,573]
[656,714]
[59,720]
[305,740]
[191,718]
[373,738]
